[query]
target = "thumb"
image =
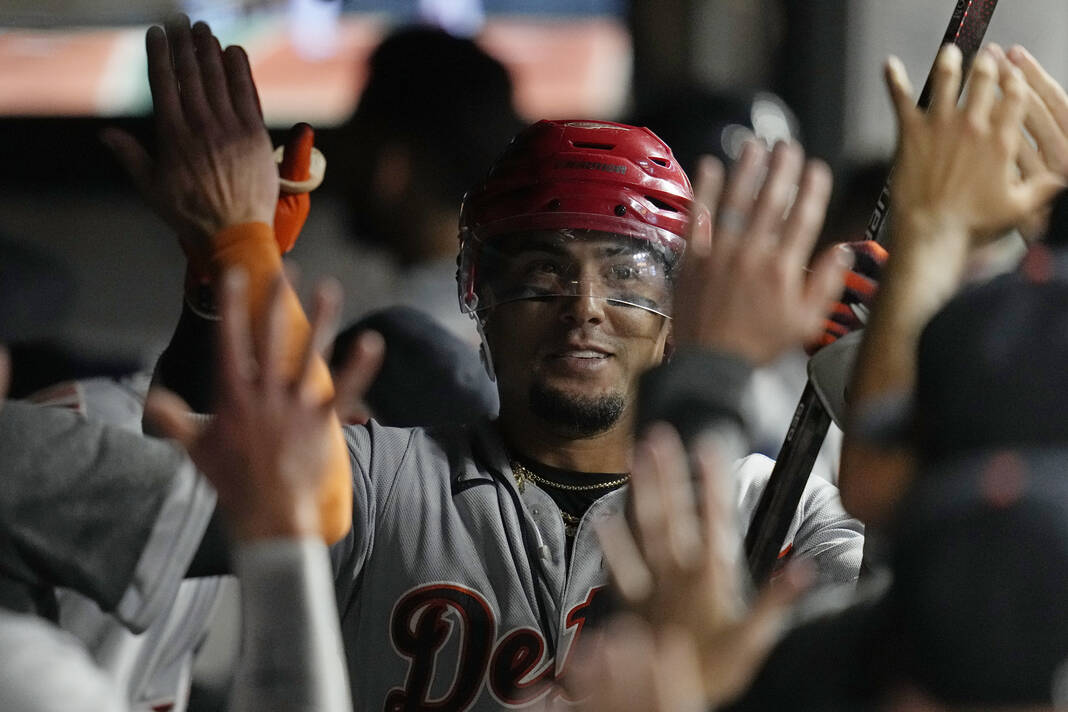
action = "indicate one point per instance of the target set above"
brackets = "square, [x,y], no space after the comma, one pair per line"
[131,155]
[296,156]
[1040,190]
[171,416]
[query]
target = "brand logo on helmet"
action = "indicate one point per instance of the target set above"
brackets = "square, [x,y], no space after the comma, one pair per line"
[593,166]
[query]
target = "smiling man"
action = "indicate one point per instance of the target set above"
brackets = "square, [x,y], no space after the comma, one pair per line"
[472,567]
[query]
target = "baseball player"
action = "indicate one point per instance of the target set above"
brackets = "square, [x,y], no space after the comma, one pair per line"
[471,567]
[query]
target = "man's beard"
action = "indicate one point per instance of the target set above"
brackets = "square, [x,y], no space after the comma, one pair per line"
[579,416]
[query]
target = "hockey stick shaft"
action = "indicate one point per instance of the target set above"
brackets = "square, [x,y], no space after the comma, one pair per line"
[808,428]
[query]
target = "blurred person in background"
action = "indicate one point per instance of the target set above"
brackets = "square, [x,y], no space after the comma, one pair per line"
[434,113]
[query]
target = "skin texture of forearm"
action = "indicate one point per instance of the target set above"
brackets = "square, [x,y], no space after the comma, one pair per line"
[251,246]
[920,278]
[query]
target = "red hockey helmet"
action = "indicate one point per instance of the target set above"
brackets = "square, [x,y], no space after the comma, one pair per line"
[573,179]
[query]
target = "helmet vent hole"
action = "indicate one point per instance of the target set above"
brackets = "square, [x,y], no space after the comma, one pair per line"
[593,146]
[662,162]
[661,204]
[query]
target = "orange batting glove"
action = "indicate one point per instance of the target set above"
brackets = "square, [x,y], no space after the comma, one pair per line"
[300,171]
[860,286]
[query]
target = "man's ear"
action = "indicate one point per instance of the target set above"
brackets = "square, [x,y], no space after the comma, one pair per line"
[669,344]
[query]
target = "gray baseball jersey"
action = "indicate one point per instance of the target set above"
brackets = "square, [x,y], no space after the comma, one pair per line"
[452,585]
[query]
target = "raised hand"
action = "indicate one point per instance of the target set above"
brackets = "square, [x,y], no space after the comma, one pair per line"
[213,166]
[262,450]
[744,287]
[678,567]
[1046,122]
[956,169]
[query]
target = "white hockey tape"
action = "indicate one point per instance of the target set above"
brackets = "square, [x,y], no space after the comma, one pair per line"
[317,171]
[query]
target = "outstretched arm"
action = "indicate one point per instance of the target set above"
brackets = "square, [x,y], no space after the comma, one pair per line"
[215,181]
[956,185]
[256,452]
[744,296]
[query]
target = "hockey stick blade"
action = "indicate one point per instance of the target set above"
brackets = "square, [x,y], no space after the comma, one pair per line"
[808,428]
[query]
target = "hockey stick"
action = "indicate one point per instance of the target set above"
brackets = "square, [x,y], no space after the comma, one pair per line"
[810,422]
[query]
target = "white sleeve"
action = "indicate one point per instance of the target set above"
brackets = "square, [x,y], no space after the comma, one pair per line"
[293,659]
[820,529]
[827,535]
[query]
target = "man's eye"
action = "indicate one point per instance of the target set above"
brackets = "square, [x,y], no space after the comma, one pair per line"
[543,267]
[624,272]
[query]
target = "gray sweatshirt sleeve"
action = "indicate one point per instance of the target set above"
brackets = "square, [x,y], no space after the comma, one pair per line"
[110,514]
[293,659]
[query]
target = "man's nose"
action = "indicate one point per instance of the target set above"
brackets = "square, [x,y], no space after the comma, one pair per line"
[583,306]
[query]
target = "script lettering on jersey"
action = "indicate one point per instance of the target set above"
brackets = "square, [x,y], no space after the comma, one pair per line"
[516,669]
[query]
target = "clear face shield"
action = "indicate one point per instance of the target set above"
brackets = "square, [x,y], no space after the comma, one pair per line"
[630,272]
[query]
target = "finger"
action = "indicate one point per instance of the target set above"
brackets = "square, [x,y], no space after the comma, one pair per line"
[132,156]
[360,368]
[243,94]
[902,95]
[212,76]
[325,312]
[982,90]
[296,156]
[166,104]
[1038,192]
[823,288]
[235,341]
[676,487]
[737,204]
[650,509]
[808,212]
[1050,141]
[171,416]
[767,617]
[187,69]
[707,192]
[1009,114]
[1028,159]
[271,351]
[631,576]
[1051,92]
[946,79]
[787,160]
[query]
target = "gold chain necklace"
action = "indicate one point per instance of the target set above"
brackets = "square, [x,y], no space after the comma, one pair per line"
[523,475]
